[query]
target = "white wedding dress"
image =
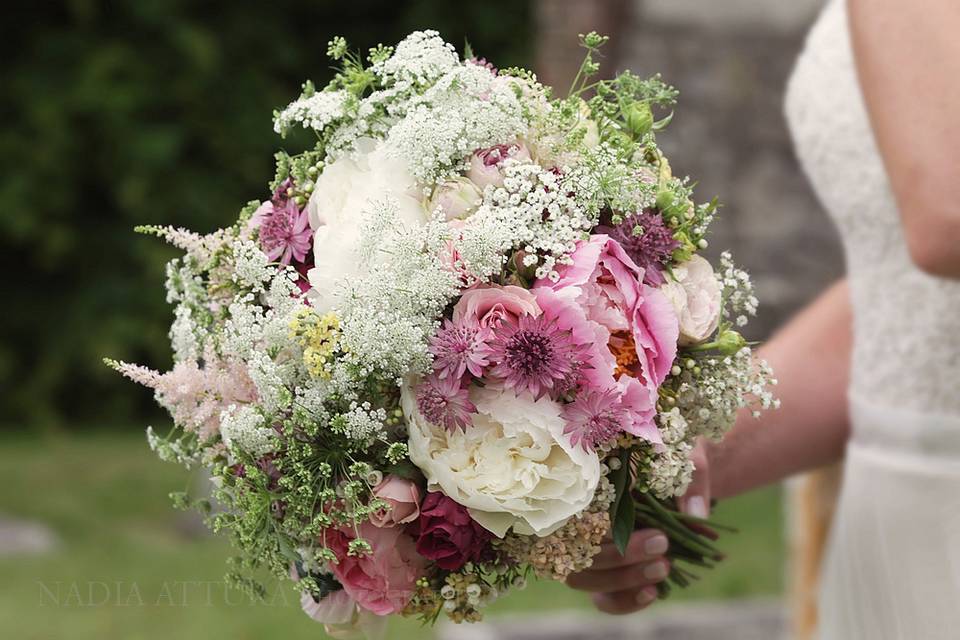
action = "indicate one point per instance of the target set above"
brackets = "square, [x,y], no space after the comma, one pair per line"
[893,567]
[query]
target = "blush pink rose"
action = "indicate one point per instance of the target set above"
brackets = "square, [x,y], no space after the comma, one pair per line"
[609,286]
[383,581]
[403,498]
[489,306]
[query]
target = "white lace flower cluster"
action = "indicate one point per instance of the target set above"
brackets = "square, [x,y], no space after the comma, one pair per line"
[388,313]
[535,210]
[418,61]
[242,429]
[467,109]
[313,112]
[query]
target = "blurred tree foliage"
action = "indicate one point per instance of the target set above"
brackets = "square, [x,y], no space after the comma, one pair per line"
[152,111]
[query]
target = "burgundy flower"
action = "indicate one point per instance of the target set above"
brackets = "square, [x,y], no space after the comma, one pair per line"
[648,241]
[448,535]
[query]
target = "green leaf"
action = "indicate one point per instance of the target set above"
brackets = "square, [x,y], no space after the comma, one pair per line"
[623,522]
[622,511]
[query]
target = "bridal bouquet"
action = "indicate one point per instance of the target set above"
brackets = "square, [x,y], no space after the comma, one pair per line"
[467,337]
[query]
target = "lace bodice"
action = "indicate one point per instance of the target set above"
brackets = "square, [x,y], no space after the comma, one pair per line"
[906,323]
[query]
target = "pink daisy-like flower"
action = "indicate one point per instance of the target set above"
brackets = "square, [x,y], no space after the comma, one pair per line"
[285,232]
[532,353]
[458,348]
[445,402]
[595,417]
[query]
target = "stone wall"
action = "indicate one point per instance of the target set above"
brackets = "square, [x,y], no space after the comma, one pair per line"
[730,60]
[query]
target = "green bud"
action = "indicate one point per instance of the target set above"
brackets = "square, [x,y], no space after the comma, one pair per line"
[639,118]
[730,342]
[686,249]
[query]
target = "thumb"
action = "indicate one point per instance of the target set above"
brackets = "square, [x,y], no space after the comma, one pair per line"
[696,501]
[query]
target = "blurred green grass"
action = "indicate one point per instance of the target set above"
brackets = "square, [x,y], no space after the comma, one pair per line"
[104,494]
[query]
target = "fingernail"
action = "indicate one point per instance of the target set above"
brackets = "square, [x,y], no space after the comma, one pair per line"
[656,546]
[697,507]
[655,571]
[646,596]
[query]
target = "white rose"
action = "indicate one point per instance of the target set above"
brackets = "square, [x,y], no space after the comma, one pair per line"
[457,198]
[343,193]
[695,295]
[513,467]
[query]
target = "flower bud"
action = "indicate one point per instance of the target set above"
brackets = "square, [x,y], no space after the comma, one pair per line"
[457,198]
[730,342]
[639,118]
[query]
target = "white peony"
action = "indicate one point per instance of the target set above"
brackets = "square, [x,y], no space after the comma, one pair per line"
[342,196]
[696,295]
[513,468]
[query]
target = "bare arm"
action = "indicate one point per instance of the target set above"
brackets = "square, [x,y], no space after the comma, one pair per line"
[810,358]
[908,61]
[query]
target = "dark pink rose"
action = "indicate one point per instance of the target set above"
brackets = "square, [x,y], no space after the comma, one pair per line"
[448,535]
[383,581]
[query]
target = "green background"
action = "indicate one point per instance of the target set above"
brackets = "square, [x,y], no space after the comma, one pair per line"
[116,114]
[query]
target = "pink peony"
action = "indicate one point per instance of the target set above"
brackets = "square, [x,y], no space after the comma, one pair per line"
[403,498]
[609,286]
[487,307]
[448,535]
[383,581]
[485,164]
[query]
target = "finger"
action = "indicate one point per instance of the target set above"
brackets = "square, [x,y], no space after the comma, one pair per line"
[696,501]
[644,545]
[623,602]
[634,576]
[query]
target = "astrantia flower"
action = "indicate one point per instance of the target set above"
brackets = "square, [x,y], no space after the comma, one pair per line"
[458,348]
[597,416]
[284,231]
[648,241]
[532,353]
[594,417]
[445,403]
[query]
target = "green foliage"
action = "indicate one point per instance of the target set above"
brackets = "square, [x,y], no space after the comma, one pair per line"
[152,113]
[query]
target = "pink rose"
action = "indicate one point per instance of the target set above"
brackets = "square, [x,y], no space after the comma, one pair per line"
[448,535]
[403,498]
[609,286]
[489,306]
[486,164]
[383,581]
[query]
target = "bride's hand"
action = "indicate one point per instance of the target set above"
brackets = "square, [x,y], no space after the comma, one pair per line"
[627,583]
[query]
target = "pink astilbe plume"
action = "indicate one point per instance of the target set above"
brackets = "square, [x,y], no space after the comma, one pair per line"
[194,395]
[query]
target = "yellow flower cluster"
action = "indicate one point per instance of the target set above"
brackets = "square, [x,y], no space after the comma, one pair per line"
[318,337]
